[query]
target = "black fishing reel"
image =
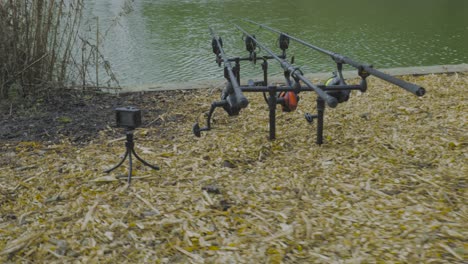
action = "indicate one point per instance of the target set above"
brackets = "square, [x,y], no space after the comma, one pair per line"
[341,96]
[227,95]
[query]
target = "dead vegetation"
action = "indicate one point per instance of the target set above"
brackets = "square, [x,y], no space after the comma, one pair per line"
[44,50]
[389,185]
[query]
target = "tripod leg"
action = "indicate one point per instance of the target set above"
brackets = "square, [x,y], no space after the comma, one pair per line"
[129,180]
[144,162]
[120,163]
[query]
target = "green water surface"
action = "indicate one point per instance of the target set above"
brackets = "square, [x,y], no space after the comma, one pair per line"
[164,41]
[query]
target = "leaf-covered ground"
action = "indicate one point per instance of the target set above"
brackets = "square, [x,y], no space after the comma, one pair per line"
[388,186]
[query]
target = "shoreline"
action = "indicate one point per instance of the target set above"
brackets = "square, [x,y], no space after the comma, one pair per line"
[211,84]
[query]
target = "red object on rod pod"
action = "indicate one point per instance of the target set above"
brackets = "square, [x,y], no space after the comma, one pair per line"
[290,101]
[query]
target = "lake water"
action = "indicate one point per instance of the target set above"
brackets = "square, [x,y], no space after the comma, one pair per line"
[162,41]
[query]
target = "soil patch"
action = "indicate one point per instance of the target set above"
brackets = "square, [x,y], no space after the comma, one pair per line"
[77,118]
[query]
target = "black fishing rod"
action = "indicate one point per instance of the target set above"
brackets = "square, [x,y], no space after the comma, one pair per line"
[295,72]
[338,58]
[236,99]
[232,98]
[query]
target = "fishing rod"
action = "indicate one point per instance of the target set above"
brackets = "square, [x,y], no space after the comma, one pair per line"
[340,59]
[295,72]
[232,98]
[236,99]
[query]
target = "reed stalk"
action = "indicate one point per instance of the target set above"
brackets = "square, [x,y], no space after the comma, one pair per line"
[41,47]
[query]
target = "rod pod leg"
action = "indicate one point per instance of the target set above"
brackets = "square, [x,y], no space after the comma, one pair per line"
[320,117]
[272,107]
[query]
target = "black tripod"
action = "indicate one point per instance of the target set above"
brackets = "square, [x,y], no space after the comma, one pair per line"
[130,146]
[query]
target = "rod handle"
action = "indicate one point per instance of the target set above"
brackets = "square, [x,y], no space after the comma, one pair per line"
[410,87]
[240,101]
[331,101]
[236,98]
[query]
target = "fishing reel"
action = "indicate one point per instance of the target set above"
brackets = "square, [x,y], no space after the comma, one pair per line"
[341,96]
[288,100]
[228,96]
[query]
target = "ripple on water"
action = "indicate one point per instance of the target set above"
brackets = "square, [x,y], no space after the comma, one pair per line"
[168,41]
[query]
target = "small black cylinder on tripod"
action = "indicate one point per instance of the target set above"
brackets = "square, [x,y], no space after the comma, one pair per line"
[128,117]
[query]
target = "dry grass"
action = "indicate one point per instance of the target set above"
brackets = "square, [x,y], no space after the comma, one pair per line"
[388,186]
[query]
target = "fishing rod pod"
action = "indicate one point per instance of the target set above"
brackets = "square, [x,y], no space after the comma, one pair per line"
[333,92]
